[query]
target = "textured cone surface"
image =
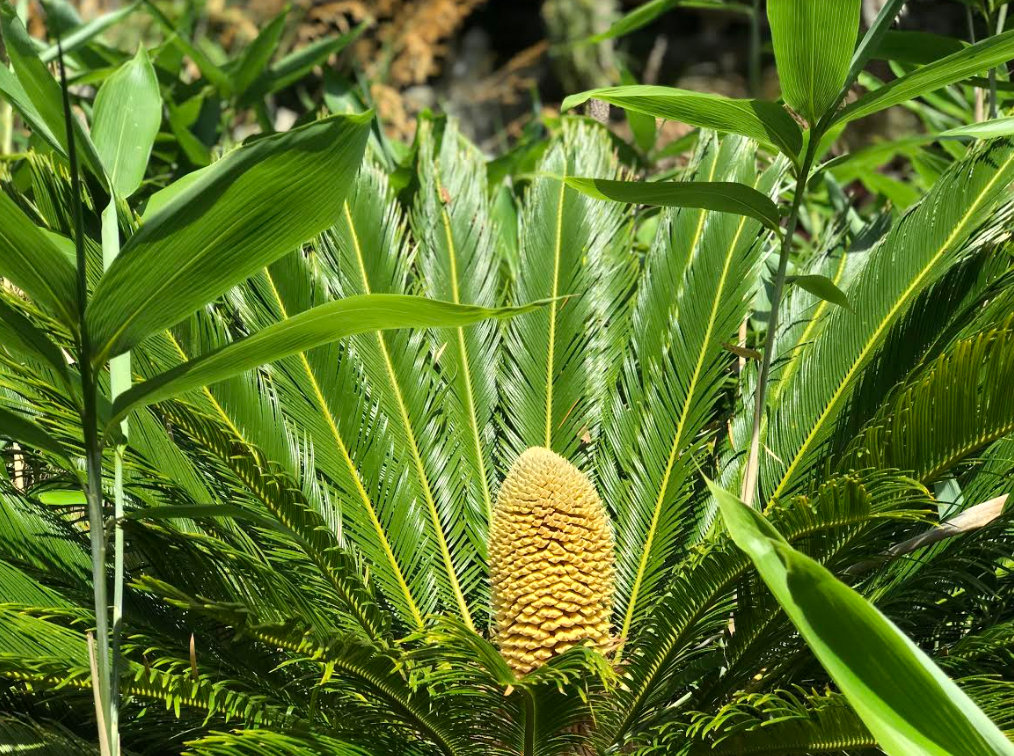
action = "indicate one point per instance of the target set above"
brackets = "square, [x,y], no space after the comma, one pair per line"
[551,561]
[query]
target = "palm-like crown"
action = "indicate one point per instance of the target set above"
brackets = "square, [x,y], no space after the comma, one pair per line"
[310,560]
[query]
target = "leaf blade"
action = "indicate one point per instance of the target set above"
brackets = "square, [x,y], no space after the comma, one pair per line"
[239,215]
[764,121]
[813,45]
[300,333]
[127,115]
[969,61]
[908,703]
[723,196]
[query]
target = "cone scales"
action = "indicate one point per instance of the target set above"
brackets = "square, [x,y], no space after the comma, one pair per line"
[551,561]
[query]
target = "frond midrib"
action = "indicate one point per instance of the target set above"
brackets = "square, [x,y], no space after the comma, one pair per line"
[684,414]
[431,506]
[353,470]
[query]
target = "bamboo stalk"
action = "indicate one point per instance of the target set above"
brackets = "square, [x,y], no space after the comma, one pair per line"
[101,677]
[119,381]
[749,488]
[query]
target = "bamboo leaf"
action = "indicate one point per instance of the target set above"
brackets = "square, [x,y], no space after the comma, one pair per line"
[243,212]
[297,64]
[723,196]
[764,121]
[908,703]
[315,327]
[823,287]
[975,59]
[214,74]
[127,115]
[916,48]
[89,31]
[647,12]
[813,45]
[991,129]
[871,41]
[258,54]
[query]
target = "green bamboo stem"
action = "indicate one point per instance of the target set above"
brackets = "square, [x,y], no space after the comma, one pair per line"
[92,442]
[119,381]
[749,488]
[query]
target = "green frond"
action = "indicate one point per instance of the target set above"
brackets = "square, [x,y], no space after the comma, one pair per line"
[264,742]
[42,654]
[685,626]
[288,506]
[21,734]
[781,722]
[917,251]
[962,295]
[557,360]
[323,398]
[457,263]
[947,412]
[368,251]
[994,694]
[692,297]
[342,661]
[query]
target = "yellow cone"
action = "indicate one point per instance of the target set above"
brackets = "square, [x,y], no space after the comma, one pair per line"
[551,561]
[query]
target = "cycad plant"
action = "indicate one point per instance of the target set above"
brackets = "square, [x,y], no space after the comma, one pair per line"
[517,536]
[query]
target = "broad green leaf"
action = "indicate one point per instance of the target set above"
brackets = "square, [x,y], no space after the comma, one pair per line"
[813,42]
[16,95]
[764,121]
[300,333]
[908,703]
[975,59]
[258,54]
[242,213]
[26,432]
[724,196]
[87,32]
[126,117]
[647,12]
[40,89]
[822,287]
[997,127]
[31,261]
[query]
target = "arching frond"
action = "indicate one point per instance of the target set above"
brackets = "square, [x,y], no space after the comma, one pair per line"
[573,251]
[20,734]
[287,505]
[686,625]
[457,263]
[264,742]
[691,299]
[323,397]
[956,406]
[368,252]
[924,244]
